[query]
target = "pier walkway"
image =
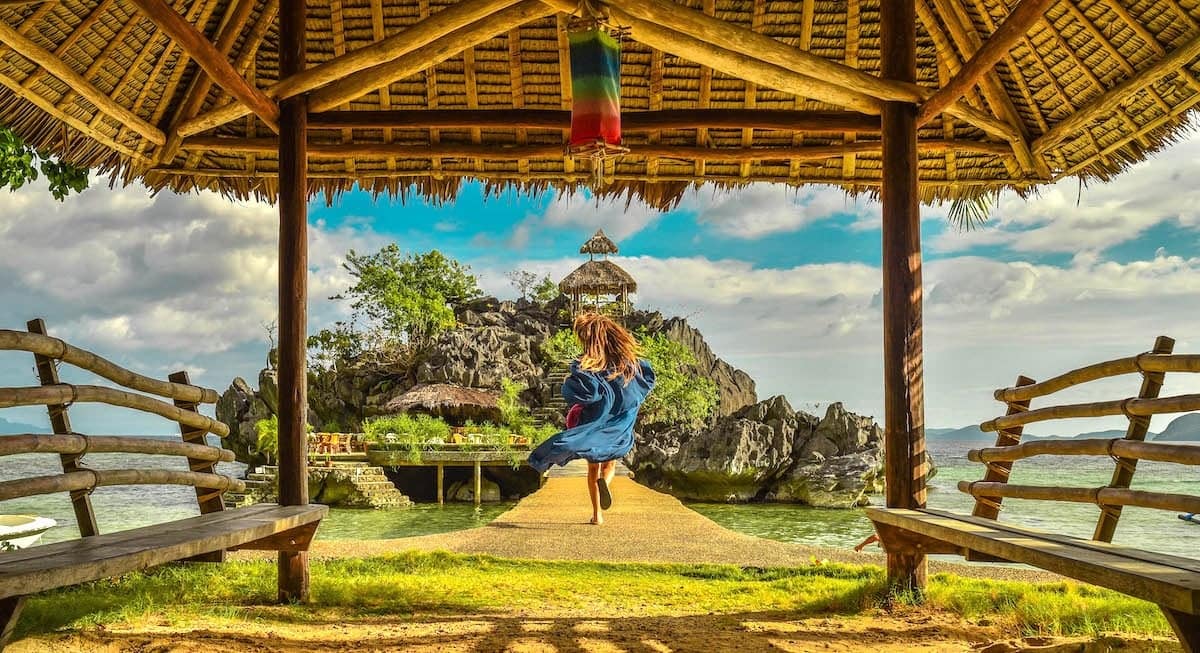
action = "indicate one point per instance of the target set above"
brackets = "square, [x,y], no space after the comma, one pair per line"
[642,526]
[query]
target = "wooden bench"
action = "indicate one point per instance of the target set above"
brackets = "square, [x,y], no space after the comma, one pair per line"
[1171,582]
[204,538]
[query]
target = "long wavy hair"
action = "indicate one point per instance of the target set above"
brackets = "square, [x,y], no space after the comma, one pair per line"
[607,346]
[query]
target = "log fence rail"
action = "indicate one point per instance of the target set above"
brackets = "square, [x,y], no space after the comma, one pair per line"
[1170,581]
[205,538]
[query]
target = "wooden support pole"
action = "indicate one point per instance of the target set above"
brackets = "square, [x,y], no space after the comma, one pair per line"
[293,296]
[441,484]
[1015,26]
[1186,627]
[60,423]
[478,483]
[903,373]
[210,59]
[998,472]
[1139,426]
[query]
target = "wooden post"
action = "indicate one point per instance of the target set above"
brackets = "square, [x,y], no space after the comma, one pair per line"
[1152,382]
[441,483]
[1186,627]
[60,423]
[293,295]
[478,483]
[903,380]
[209,500]
[998,472]
[10,613]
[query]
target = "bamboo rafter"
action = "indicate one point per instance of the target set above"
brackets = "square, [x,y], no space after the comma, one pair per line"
[1156,451]
[1116,367]
[1128,407]
[1101,496]
[65,395]
[86,481]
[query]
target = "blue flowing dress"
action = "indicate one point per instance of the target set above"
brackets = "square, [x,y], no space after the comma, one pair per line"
[605,430]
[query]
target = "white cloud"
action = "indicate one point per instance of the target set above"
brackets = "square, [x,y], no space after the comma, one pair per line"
[616,216]
[1066,217]
[759,210]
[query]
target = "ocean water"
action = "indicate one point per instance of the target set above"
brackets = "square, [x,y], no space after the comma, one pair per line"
[124,507]
[1155,530]
[119,508]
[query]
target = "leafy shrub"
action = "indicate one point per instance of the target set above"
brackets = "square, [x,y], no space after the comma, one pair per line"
[268,437]
[17,167]
[424,429]
[680,396]
[562,347]
[513,412]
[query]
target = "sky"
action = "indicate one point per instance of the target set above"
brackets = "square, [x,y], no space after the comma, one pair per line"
[784,283]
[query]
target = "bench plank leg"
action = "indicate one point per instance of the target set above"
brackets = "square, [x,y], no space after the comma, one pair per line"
[1187,629]
[10,612]
[293,576]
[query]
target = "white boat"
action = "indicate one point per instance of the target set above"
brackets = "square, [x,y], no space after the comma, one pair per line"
[20,531]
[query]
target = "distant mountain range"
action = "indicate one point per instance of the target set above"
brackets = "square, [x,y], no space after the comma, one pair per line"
[1185,428]
[9,428]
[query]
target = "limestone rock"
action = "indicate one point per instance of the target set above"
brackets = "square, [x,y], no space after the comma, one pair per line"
[767,451]
[480,357]
[240,409]
[268,389]
[735,388]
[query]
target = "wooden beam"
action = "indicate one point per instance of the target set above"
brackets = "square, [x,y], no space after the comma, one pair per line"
[55,66]
[236,16]
[748,67]
[904,400]
[419,35]
[293,296]
[1019,21]
[67,119]
[631,121]
[358,84]
[1112,99]
[725,35]
[209,58]
[330,150]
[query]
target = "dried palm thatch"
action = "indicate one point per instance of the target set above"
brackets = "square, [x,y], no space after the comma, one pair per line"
[1091,87]
[599,243]
[598,278]
[451,402]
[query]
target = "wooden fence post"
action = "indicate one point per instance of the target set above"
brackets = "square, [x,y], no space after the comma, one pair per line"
[81,500]
[997,472]
[209,500]
[1152,382]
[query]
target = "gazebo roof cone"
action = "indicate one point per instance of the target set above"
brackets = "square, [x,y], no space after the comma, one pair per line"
[601,277]
[421,96]
[599,243]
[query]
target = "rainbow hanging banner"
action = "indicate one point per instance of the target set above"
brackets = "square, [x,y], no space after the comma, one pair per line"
[596,89]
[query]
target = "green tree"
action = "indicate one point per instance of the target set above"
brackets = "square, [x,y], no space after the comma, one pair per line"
[268,437]
[17,167]
[408,296]
[546,290]
[680,396]
[523,281]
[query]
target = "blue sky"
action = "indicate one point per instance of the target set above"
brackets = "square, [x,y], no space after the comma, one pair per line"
[783,282]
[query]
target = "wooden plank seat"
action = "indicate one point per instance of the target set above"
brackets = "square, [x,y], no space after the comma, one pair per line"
[1169,581]
[262,526]
[287,529]
[1172,582]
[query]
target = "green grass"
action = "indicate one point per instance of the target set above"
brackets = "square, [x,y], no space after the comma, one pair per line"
[441,583]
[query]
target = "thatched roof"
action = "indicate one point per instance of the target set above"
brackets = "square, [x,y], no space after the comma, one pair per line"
[1090,88]
[599,243]
[598,277]
[451,402]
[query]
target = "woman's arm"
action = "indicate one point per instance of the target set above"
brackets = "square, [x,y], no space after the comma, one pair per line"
[582,388]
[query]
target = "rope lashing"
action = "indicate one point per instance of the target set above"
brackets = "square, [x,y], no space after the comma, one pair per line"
[87,491]
[1128,465]
[998,469]
[989,502]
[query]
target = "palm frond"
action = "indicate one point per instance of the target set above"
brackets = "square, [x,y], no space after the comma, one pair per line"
[967,213]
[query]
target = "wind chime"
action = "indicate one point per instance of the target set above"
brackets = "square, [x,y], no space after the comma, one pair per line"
[595,89]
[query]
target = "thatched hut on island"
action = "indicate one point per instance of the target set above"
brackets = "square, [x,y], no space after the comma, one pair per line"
[599,284]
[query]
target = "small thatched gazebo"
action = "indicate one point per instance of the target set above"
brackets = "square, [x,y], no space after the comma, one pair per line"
[910,99]
[599,285]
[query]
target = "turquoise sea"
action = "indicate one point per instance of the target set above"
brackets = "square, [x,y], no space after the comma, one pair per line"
[119,508]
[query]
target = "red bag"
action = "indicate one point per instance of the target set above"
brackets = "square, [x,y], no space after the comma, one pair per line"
[573,415]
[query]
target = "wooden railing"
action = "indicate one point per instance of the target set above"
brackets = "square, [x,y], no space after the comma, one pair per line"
[78,480]
[1125,452]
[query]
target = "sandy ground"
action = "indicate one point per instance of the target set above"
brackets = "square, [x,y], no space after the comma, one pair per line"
[643,526]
